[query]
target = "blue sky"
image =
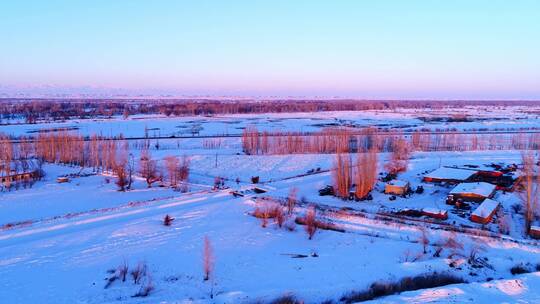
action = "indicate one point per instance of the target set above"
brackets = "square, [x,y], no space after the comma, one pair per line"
[367,49]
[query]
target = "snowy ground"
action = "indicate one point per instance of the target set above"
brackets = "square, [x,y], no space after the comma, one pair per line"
[487,118]
[74,233]
[66,260]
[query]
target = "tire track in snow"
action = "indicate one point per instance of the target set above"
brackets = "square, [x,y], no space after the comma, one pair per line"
[92,221]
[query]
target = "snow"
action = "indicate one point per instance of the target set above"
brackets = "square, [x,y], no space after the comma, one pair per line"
[76,231]
[480,189]
[521,289]
[450,174]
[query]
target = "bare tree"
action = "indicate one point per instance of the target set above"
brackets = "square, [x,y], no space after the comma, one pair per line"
[529,182]
[366,173]
[279,215]
[424,239]
[172,165]
[148,168]
[208,259]
[311,221]
[341,174]
[121,176]
[504,223]
[183,173]
[399,156]
[291,199]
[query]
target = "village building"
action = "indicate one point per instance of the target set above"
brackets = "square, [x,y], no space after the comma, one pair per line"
[534,232]
[480,170]
[396,187]
[503,178]
[474,192]
[484,213]
[62,179]
[449,175]
[435,213]
[18,171]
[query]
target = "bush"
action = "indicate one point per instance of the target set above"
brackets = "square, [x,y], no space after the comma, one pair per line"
[122,271]
[267,211]
[323,225]
[519,269]
[311,222]
[118,274]
[280,216]
[138,272]
[145,289]
[380,289]
[287,299]
[167,220]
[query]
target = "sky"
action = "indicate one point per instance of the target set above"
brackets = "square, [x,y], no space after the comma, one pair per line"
[380,49]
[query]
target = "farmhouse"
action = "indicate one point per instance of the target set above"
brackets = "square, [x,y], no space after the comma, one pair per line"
[18,171]
[449,175]
[396,187]
[475,192]
[484,213]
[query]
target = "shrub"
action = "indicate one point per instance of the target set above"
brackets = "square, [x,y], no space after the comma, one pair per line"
[380,289]
[267,211]
[138,273]
[291,200]
[122,271]
[167,220]
[287,299]
[117,274]
[519,269]
[208,258]
[145,289]
[320,224]
[280,216]
[311,222]
[111,280]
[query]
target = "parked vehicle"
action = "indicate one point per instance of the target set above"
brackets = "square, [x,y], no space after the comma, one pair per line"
[328,190]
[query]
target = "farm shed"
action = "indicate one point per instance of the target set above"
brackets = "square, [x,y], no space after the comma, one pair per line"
[18,171]
[397,187]
[535,232]
[475,192]
[484,213]
[481,170]
[449,175]
[435,213]
[62,179]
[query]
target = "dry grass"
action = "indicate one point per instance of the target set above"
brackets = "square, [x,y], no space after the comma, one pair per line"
[381,289]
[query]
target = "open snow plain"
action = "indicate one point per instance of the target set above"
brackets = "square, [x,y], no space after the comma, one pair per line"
[74,242]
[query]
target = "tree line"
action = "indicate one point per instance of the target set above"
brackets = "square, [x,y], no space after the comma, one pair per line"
[100,154]
[335,140]
[40,110]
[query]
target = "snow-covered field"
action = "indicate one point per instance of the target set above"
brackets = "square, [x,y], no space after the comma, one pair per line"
[62,242]
[489,118]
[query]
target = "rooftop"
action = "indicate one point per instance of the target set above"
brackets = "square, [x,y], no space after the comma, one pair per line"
[481,188]
[451,173]
[398,183]
[486,208]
